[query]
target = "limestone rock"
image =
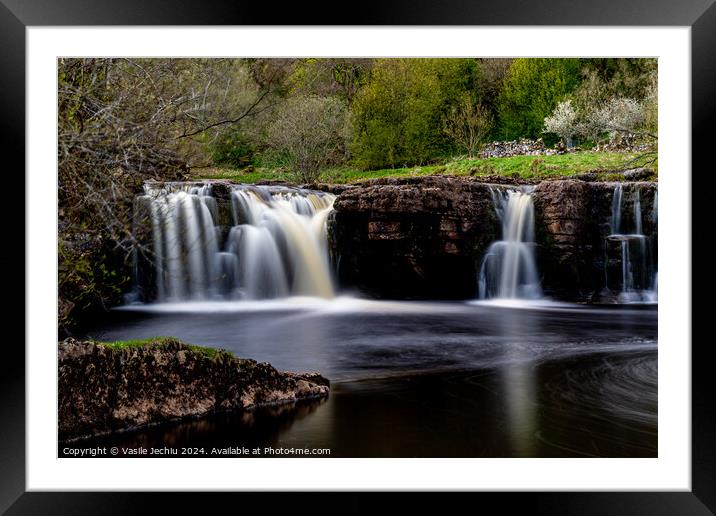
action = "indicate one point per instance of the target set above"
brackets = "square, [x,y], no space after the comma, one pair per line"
[101,389]
[572,223]
[414,238]
[425,237]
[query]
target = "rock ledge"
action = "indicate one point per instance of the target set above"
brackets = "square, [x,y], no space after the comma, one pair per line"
[102,389]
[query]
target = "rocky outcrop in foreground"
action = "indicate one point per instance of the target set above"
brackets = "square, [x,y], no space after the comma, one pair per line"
[103,389]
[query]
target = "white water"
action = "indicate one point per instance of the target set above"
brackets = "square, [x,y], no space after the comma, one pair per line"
[509,270]
[638,281]
[276,246]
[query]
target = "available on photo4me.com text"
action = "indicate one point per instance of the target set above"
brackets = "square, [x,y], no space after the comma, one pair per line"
[229,451]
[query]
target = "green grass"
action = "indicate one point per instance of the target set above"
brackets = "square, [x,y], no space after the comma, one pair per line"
[524,167]
[160,341]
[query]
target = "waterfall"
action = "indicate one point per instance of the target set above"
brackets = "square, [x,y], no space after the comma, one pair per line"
[637,213]
[654,219]
[274,245]
[638,274]
[616,221]
[509,269]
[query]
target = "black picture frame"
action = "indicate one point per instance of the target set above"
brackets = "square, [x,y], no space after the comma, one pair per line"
[700,15]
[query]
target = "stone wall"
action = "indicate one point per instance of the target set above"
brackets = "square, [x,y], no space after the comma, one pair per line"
[522,147]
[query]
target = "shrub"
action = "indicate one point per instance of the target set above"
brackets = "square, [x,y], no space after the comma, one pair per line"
[617,99]
[232,148]
[536,165]
[618,117]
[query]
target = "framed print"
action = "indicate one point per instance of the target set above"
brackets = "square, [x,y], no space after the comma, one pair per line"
[427,253]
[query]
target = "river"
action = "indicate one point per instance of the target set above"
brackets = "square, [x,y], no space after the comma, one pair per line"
[424,379]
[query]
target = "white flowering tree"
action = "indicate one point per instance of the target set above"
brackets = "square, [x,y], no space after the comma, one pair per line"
[563,122]
[619,117]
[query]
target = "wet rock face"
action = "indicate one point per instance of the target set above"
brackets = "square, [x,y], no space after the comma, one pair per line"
[572,223]
[425,237]
[414,238]
[566,237]
[103,389]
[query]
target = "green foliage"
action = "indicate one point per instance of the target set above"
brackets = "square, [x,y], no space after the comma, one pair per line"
[628,77]
[272,159]
[397,115]
[614,177]
[138,343]
[232,148]
[400,109]
[531,91]
[616,93]
[326,77]
[87,276]
[537,166]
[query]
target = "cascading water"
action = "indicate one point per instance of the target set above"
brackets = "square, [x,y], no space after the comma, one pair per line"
[509,269]
[272,245]
[638,273]
[654,220]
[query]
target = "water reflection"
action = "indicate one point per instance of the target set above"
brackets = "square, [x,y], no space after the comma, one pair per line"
[518,381]
[261,427]
[596,406]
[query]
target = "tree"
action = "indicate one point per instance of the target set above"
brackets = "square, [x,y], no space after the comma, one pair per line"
[531,91]
[563,122]
[623,77]
[325,77]
[468,123]
[312,131]
[617,98]
[491,76]
[398,114]
[619,118]
[122,122]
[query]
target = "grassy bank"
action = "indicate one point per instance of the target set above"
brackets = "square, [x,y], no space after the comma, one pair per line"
[159,341]
[525,167]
